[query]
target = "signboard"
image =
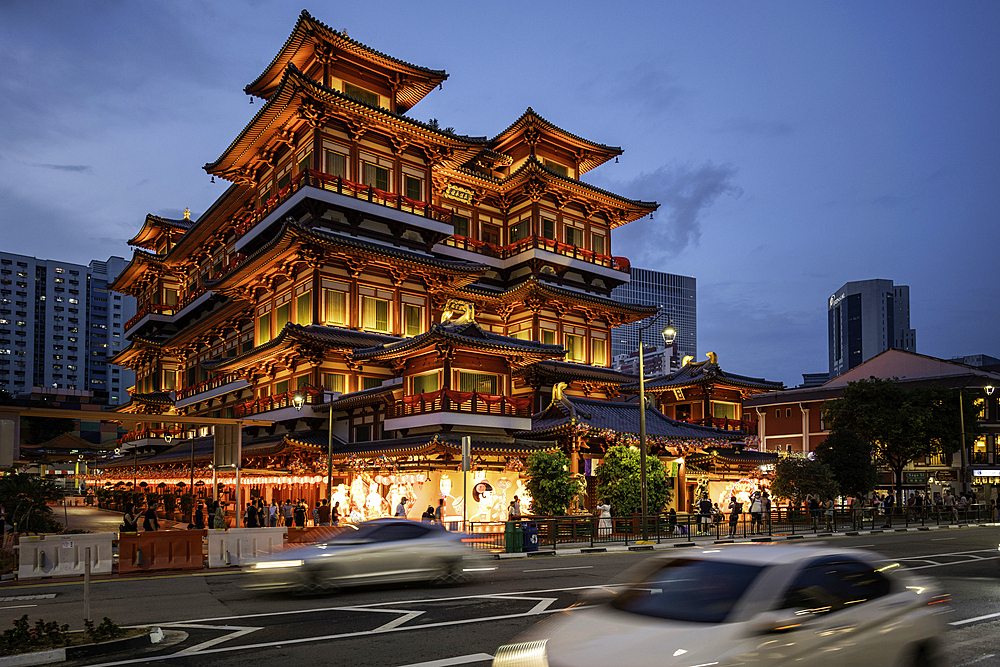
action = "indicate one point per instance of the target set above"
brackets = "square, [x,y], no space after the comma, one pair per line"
[915,477]
[458,193]
[986,472]
[945,475]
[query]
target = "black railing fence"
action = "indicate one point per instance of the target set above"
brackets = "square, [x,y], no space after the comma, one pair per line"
[583,531]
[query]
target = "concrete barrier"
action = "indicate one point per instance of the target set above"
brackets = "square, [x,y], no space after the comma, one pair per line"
[312,534]
[241,546]
[63,555]
[161,550]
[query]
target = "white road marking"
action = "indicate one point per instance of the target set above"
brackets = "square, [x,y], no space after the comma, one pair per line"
[949,553]
[457,660]
[22,598]
[553,569]
[20,606]
[977,618]
[236,632]
[942,539]
[396,622]
[975,559]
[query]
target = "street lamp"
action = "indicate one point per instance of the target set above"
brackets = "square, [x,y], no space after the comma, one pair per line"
[669,333]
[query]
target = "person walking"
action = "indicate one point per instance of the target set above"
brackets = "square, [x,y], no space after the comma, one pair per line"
[401,508]
[315,514]
[735,509]
[439,512]
[250,517]
[510,511]
[149,520]
[704,514]
[288,513]
[428,515]
[604,525]
[517,506]
[299,513]
[828,510]
[765,502]
[671,521]
[199,517]
[272,513]
[756,509]
[130,523]
[335,514]
[219,516]
[323,514]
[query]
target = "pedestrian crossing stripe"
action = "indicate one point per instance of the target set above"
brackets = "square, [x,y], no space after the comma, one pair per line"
[20,598]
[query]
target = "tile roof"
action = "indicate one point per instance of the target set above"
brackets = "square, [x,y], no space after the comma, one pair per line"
[358,398]
[617,416]
[568,371]
[705,372]
[468,334]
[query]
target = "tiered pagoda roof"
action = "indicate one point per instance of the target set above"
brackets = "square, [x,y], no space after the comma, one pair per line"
[704,373]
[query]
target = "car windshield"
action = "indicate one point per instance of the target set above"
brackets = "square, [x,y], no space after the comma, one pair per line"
[698,591]
[361,533]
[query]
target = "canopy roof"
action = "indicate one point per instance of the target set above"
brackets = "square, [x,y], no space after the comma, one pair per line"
[703,373]
[311,38]
[468,335]
[589,154]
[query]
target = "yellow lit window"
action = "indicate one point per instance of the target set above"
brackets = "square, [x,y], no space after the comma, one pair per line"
[334,308]
[303,309]
[597,350]
[574,347]
[425,383]
[263,328]
[375,314]
[333,382]
[413,320]
[282,315]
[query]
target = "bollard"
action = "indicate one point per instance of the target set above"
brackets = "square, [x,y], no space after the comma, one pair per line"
[138,557]
[86,585]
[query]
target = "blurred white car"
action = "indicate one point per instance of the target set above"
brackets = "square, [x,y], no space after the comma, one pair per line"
[373,552]
[749,605]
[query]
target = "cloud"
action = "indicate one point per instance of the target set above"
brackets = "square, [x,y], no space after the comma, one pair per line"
[80,168]
[684,194]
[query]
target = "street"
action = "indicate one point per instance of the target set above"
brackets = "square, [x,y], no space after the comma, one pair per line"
[210,620]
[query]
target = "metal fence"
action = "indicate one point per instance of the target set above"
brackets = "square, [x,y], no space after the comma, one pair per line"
[594,532]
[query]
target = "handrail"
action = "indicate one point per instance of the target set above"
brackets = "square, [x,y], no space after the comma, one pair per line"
[471,402]
[312,395]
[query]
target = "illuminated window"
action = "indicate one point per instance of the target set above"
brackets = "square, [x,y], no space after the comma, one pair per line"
[336,164]
[263,328]
[425,383]
[549,229]
[574,237]
[168,380]
[520,231]
[333,382]
[491,234]
[414,187]
[303,309]
[597,352]
[334,307]
[375,314]
[560,169]
[597,243]
[574,347]
[522,335]
[282,315]
[412,320]
[370,383]
[372,174]
[484,383]
[359,93]
[461,225]
[723,410]
[548,337]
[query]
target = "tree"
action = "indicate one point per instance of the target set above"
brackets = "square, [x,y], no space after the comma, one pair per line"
[795,478]
[552,487]
[850,460]
[619,483]
[25,500]
[901,425]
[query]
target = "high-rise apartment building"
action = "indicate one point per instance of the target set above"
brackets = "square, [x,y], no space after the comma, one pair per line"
[677,295]
[58,325]
[866,318]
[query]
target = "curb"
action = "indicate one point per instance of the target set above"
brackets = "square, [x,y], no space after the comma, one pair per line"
[154,636]
[621,548]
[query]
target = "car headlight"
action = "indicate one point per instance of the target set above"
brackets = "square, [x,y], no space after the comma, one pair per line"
[525,654]
[272,564]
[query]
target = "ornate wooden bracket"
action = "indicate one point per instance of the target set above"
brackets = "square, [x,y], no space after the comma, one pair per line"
[397,275]
[444,352]
[504,311]
[313,113]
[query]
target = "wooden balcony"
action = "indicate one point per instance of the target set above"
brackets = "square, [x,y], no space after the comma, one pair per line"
[447,400]
[537,243]
[254,406]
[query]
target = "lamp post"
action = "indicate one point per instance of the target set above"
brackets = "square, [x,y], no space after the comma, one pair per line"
[669,333]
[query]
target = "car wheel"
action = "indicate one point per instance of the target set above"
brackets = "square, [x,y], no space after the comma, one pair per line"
[924,656]
[316,582]
[448,572]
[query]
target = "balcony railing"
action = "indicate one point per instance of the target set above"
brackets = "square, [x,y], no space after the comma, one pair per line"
[341,186]
[143,433]
[448,400]
[539,243]
[748,427]
[206,385]
[311,395]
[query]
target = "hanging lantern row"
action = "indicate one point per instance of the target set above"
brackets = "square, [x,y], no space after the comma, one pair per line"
[416,478]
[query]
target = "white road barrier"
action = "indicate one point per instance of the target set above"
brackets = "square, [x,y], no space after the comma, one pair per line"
[242,546]
[63,555]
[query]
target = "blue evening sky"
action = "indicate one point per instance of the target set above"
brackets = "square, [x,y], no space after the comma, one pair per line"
[793,146]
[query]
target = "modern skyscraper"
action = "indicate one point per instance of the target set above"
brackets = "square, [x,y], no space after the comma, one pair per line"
[677,295]
[58,324]
[866,318]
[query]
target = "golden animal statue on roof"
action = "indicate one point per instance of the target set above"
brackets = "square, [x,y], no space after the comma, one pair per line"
[456,311]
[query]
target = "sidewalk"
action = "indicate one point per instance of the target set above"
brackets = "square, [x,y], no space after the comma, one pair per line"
[94,520]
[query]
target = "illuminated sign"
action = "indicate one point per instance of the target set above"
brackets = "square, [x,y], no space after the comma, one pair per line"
[986,472]
[458,193]
[835,299]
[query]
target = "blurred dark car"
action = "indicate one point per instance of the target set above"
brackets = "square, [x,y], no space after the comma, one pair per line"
[373,552]
[749,605]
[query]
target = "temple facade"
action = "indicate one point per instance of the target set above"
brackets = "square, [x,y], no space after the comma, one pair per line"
[375,287]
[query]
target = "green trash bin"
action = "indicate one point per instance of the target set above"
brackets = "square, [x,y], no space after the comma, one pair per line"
[512,537]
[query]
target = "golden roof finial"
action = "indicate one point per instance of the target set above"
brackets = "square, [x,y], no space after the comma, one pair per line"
[558,390]
[713,358]
[187,214]
[686,360]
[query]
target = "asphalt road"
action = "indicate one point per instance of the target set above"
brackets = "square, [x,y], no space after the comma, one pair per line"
[210,620]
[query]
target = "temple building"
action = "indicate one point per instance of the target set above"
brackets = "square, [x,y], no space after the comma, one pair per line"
[376,287]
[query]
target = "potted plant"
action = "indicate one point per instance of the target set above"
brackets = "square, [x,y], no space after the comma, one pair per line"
[187,505]
[169,505]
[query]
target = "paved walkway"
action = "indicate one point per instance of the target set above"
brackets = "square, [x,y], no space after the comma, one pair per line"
[96,520]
